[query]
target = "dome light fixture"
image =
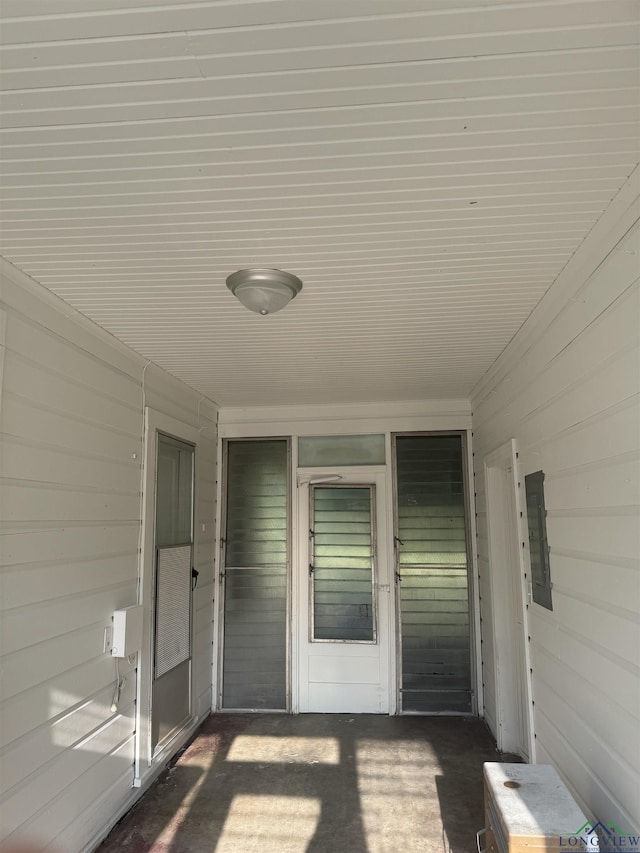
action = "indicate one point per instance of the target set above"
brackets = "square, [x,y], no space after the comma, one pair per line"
[264,291]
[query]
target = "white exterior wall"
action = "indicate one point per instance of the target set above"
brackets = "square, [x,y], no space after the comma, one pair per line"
[72,433]
[566,389]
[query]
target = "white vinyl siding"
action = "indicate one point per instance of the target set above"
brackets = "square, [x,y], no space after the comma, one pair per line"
[567,391]
[71,427]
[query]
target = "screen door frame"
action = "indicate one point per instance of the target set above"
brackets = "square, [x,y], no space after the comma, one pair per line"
[146,760]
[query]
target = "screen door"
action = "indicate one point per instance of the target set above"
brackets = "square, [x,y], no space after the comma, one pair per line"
[344,614]
[171,699]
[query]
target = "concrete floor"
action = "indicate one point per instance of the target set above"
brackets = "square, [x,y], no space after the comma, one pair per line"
[317,783]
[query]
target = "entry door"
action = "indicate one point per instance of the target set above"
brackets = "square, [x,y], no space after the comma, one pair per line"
[171,691]
[344,595]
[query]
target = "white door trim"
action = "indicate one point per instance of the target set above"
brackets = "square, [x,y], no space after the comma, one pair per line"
[504,510]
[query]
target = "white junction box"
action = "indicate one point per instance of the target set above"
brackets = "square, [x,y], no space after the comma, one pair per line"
[528,808]
[127,631]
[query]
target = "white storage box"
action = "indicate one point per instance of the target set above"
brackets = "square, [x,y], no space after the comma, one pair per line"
[527,808]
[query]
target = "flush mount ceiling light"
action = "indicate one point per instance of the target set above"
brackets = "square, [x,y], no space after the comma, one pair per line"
[264,291]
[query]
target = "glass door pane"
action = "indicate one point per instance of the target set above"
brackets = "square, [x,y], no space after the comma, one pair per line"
[174,492]
[432,568]
[341,564]
[254,674]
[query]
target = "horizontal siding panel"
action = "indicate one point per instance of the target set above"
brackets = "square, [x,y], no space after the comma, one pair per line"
[56,695]
[568,647]
[590,440]
[204,703]
[138,243]
[43,745]
[204,562]
[203,618]
[607,336]
[72,544]
[57,210]
[254,100]
[22,297]
[43,502]
[605,536]
[26,626]
[116,795]
[617,273]
[203,607]
[201,673]
[35,793]
[168,395]
[29,421]
[332,25]
[561,396]
[98,771]
[580,70]
[27,584]
[314,68]
[609,384]
[196,169]
[237,16]
[31,462]
[51,388]
[197,100]
[614,485]
[616,775]
[83,26]
[38,345]
[555,748]
[181,221]
[28,667]
[145,247]
[575,689]
[153,150]
[366,64]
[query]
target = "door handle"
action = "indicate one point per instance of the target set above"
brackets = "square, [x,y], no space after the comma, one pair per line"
[194,578]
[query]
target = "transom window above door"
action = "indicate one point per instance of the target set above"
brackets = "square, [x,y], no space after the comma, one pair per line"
[321,450]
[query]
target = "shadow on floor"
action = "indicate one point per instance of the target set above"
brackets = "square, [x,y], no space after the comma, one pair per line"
[317,783]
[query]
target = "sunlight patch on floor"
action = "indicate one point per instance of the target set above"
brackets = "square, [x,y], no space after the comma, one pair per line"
[298,750]
[393,783]
[264,824]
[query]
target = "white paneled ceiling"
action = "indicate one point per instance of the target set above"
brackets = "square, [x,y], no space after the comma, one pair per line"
[427,167]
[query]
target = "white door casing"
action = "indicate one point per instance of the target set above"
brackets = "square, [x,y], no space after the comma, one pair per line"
[508,604]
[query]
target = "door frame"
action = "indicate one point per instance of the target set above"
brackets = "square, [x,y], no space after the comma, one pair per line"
[146,763]
[504,511]
[379,476]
